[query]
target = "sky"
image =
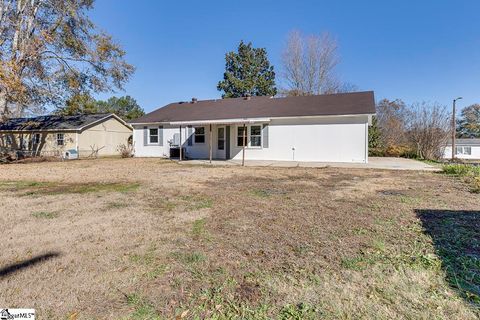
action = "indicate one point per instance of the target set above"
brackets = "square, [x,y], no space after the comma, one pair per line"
[426,50]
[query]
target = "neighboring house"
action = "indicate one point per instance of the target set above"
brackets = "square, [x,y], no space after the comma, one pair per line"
[54,135]
[465,149]
[330,128]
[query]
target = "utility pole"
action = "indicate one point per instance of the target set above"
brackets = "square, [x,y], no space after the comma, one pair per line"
[454,128]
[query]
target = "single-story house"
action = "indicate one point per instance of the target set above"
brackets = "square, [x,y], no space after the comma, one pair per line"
[330,128]
[464,149]
[54,135]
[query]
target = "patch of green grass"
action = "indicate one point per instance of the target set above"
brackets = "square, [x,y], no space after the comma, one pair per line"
[45,215]
[190,257]
[144,309]
[469,173]
[220,302]
[300,311]
[34,188]
[197,202]
[461,169]
[146,258]
[266,193]
[456,238]
[156,272]
[260,193]
[19,185]
[116,205]
[198,229]
[356,263]
[409,199]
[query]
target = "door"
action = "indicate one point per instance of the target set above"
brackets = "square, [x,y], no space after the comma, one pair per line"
[220,146]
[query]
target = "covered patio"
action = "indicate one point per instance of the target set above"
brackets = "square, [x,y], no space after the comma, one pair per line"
[222,139]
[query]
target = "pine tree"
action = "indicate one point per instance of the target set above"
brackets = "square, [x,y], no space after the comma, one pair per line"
[247,72]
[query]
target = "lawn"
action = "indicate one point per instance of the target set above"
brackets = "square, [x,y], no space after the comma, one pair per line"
[151,239]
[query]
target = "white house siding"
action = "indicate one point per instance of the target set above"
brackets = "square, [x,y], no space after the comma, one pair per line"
[474,156]
[326,139]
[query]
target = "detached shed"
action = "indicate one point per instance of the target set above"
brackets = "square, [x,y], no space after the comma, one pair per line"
[54,135]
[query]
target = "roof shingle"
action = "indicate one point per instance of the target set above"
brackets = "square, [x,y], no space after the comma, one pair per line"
[260,107]
[51,122]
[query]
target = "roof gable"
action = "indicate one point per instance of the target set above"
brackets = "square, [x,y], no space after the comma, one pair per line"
[258,107]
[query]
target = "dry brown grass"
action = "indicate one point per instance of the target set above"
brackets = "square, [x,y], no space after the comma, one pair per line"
[148,239]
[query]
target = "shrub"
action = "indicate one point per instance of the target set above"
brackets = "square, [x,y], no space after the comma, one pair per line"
[470,174]
[126,151]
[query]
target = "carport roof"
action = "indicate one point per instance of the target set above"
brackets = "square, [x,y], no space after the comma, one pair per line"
[354,103]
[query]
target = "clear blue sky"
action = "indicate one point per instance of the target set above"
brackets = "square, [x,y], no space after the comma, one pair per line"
[413,50]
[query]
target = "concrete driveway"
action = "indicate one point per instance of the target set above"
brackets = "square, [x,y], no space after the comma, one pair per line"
[373,163]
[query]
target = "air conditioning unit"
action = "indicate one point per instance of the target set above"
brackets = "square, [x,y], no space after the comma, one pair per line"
[70,154]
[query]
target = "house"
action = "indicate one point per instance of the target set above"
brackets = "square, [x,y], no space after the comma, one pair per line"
[465,149]
[53,135]
[327,128]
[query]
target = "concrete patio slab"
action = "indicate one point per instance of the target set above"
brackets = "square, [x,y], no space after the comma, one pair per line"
[373,163]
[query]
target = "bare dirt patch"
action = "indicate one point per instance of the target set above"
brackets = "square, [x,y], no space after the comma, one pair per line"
[151,239]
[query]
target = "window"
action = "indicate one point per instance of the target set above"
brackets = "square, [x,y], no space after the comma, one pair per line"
[255,136]
[36,138]
[221,138]
[240,134]
[8,141]
[60,139]
[463,150]
[199,135]
[153,135]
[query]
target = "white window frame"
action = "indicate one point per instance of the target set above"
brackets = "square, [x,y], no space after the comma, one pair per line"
[462,150]
[250,136]
[195,135]
[57,139]
[248,128]
[150,136]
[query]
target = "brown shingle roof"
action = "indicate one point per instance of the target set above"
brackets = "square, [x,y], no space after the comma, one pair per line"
[264,107]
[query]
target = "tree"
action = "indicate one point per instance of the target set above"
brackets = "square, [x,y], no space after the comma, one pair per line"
[78,104]
[429,129]
[126,107]
[247,72]
[374,135]
[392,117]
[50,50]
[469,122]
[309,64]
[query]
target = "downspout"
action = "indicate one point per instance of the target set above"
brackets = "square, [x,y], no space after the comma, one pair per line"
[366,142]
[76,143]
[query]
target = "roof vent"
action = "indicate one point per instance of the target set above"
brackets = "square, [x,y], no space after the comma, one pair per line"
[194,100]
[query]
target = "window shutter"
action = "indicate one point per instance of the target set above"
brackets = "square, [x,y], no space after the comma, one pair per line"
[160,135]
[190,135]
[265,135]
[145,136]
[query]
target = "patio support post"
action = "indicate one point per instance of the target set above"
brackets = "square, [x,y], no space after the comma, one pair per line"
[210,143]
[244,143]
[180,159]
